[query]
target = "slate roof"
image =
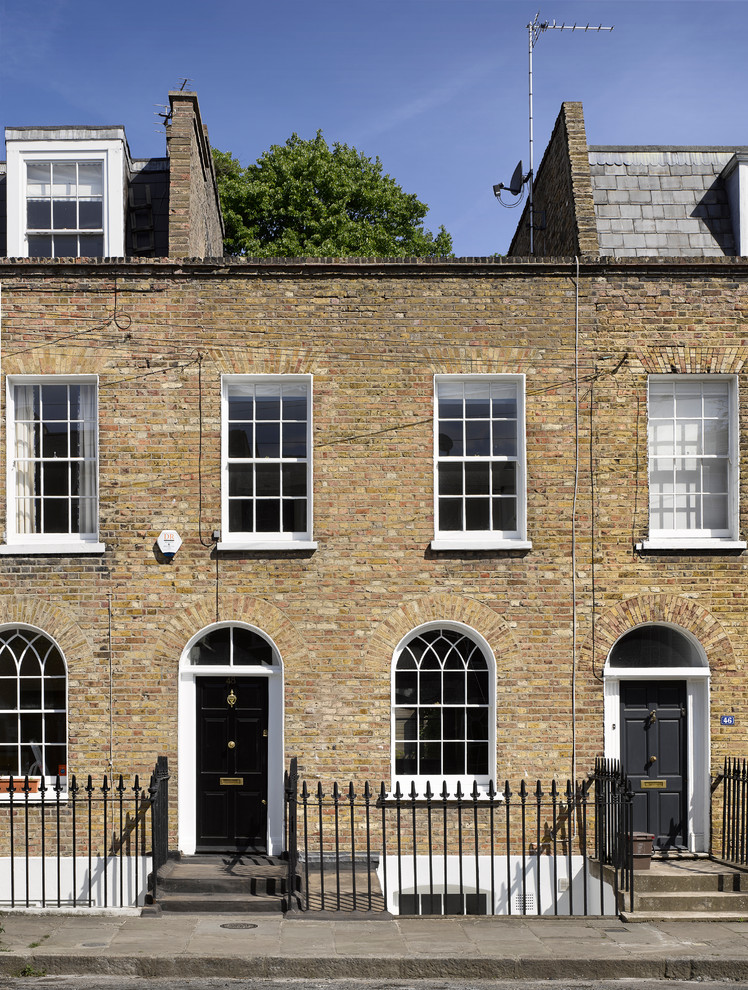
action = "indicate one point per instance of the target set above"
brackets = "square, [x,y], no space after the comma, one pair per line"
[661,201]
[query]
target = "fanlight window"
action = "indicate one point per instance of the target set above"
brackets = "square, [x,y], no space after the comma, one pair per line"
[33,705]
[655,646]
[232,646]
[442,707]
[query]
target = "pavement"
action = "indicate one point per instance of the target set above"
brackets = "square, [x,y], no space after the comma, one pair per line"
[273,945]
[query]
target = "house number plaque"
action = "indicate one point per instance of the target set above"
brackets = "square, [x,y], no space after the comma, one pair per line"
[654,785]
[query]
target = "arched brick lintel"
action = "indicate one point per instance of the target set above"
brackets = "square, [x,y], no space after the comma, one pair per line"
[55,623]
[671,609]
[440,607]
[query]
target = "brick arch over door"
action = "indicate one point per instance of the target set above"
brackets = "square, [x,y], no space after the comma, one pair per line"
[55,623]
[672,609]
[257,612]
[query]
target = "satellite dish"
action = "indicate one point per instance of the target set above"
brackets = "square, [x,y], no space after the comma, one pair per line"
[516,182]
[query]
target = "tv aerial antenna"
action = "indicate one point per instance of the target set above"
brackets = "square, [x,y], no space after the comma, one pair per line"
[517,183]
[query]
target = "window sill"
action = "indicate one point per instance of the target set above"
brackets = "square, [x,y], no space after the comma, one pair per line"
[292,545]
[659,544]
[482,544]
[74,548]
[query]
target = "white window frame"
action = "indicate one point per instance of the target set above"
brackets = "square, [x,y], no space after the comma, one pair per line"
[489,539]
[110,153]
[437,782]
[45,543]
[20,797]
[684,538]
[265,540]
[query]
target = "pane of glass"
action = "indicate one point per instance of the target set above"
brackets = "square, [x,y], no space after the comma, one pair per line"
[64,178]
[56,478]
[90,214]
[38,214]
[294,405]
[55,515]
[241,440]
[294,440]
[662,475]
[405,758]
[90,182]
[661,400]
[430,687]
[214,648]
[477,723]
[294,515]
[477,513]
[505,438]
[504,401]
[8,761]
[250,648]
[7,663]
[64,215]
[241,515]
[477,438]
[454,723]
[449,399]
[450,514]
[66,246]
[76,432]
[477,400]
[454,687]
[55,759]
[450,438]
[504,478]
[406,686]
[54,402]
[40,246]
[714,476]
[477,758]
[241,479]
[53,664]
[241,402]
[267,440]
[267,402]
[477,479]
[31,728]
[30,664]
[91,246]
[38,178]
[267,479]
[716,404]
[687,438]
[294,479]
[54,692]
[450,479]
[406,660]
[8,727]
[504,514]
[268,516]
[477,687]
[430,758]
[661,511]
[454,758]
[8,693]
[54,727]
[406,725]
[430,723]
[688,400]
[55,440]
[688,512]
[715,512]
[661,438]
[31,760]
[716,437]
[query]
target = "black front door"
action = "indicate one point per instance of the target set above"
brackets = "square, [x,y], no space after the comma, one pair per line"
[232,745]
[653,723]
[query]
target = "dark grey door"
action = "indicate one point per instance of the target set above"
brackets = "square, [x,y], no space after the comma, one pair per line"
[653,747]
[232,779]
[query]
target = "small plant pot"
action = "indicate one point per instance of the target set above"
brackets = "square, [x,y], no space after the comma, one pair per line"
[19,785]
[641,843]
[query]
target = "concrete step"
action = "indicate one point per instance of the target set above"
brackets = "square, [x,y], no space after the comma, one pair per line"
[694,880]
[218,903]
[223,883]
[636,917]
[703,901]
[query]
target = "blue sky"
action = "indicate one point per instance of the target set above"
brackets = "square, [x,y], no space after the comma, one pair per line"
[436,88]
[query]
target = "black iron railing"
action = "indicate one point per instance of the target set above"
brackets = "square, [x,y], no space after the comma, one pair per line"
[730,812]
[80,845]
[614,824]
[525,851]
[158,791]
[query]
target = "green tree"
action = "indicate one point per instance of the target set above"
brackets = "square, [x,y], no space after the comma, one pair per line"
[304,198]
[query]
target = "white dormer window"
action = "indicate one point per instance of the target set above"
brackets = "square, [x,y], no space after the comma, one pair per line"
[65,209]
[66,192]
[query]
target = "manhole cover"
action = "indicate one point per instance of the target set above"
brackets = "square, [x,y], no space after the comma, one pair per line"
[238,924]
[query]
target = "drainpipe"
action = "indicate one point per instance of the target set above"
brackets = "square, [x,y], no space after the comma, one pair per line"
[573,534]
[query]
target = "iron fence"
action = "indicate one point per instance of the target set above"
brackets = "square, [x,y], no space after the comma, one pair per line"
[527,851]
[80,844]
[729,812]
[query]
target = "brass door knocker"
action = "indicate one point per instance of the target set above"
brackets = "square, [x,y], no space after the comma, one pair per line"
[232,699]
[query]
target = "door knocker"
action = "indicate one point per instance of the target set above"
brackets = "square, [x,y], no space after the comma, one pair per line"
[232,699]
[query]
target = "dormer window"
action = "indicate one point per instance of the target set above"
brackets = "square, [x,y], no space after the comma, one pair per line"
[65,209]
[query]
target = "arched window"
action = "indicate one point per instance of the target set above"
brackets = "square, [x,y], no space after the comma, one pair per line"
[655,646]
[232,646]
[33,705]
[443,709]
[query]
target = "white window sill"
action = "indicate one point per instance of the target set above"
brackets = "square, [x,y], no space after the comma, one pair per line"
[74,547]
[225,545]
[480,544]
[659,543]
